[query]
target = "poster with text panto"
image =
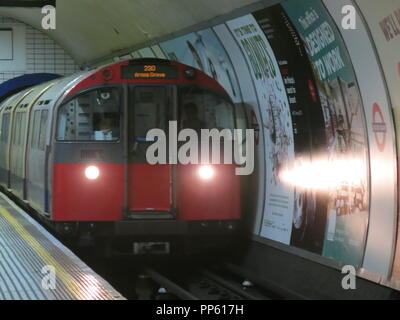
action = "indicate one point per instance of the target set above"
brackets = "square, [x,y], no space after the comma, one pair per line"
[277,124]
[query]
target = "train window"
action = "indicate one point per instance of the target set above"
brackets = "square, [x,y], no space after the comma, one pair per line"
[5,127]
[204,109]
[91,116]
[150,110]
[23,129]
[241,123]
[35,129]
[241,118]
[19,129]
[43,128]
[16,128]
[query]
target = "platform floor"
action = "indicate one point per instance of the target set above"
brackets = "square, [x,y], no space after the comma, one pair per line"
[29,255]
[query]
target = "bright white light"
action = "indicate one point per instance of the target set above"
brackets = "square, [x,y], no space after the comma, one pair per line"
[206,172]
[325,174]
[92,172]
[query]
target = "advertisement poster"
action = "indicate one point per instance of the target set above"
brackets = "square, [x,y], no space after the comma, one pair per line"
[342,170]
[383,21]
[277,125]
[204,51]
[308,123]
[256,183]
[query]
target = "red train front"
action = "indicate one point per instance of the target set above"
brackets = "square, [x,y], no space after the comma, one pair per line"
[102,182]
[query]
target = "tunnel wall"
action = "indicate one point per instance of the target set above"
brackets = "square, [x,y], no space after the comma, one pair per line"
[383,20]
[30,51]
[324,101]
[382,214]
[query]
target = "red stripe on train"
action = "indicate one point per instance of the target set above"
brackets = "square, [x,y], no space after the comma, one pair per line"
[77,198]
[217,198]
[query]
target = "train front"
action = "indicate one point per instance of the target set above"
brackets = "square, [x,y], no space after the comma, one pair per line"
[133,159]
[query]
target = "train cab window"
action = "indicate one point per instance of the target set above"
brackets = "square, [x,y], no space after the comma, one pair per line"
[241,124]
[204,109]
[91,116]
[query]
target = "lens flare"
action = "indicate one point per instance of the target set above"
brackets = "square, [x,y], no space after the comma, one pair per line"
[206,172]
[92,172]
[324,174]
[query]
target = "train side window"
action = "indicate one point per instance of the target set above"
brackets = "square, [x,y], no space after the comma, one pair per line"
[17,129]
[35,129]
[5,127]
[23,128]
[241,123]
[241,117]
[91,116]
[43,128]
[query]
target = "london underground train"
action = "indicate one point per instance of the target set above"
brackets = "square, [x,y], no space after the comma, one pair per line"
[74,150]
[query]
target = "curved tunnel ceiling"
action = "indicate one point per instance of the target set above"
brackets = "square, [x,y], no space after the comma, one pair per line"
[91,29]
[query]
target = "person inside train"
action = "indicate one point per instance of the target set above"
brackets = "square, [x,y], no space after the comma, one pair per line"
[193,120]
[105,131]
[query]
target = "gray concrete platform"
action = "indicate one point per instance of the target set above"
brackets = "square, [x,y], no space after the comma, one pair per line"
[34,265]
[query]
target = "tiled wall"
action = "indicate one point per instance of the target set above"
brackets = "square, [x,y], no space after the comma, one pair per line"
[42,54]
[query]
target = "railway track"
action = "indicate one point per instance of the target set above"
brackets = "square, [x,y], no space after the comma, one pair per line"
[206,284]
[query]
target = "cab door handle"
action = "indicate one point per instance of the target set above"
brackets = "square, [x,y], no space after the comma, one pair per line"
[134,147]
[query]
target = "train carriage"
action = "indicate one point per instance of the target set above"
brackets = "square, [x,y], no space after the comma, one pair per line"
[74,149]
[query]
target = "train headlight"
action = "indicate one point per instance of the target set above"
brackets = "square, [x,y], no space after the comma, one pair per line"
[92,172]
[206,172]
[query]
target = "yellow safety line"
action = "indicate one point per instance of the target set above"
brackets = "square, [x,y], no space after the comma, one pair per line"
[61,273]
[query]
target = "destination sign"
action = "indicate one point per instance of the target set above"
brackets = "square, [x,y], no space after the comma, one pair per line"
[149,71]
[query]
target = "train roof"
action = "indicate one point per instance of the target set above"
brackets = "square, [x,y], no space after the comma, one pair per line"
[12,86]
[58,89]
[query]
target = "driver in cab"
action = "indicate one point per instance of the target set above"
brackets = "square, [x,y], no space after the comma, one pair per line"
[105,130]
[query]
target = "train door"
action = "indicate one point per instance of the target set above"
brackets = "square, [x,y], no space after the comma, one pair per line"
[149,187]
